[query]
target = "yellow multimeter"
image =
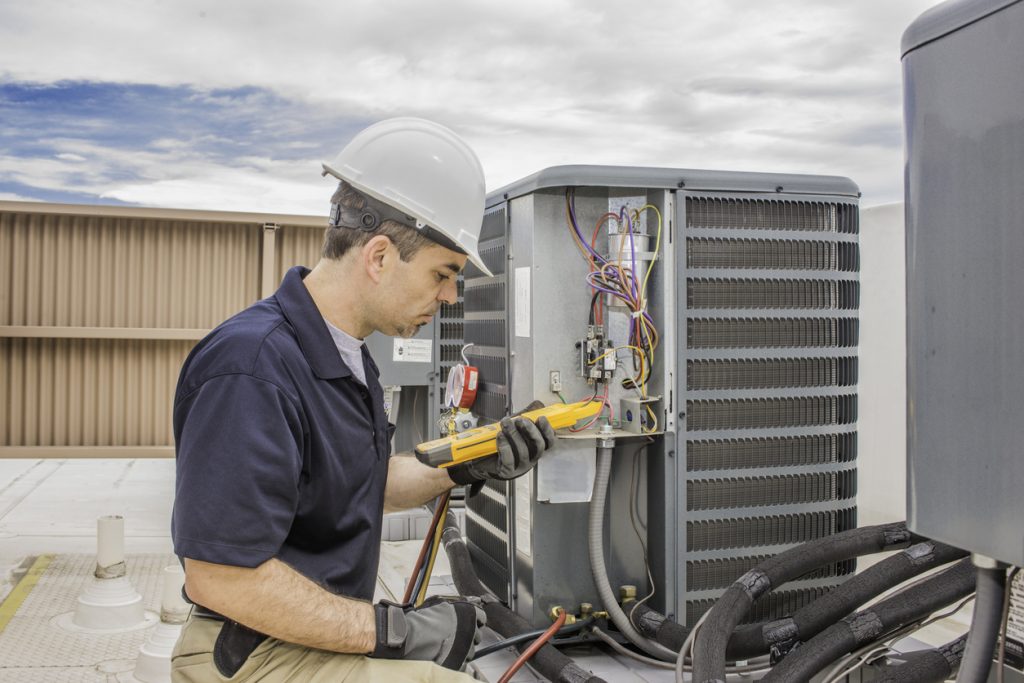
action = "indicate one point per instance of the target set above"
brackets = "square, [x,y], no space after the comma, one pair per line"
[482,441]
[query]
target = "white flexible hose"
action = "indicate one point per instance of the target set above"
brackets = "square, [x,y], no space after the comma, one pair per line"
[595,534]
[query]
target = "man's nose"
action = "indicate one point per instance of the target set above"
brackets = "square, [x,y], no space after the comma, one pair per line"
[449,293]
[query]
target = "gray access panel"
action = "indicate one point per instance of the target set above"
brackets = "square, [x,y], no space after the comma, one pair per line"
[964,117]
[405,362]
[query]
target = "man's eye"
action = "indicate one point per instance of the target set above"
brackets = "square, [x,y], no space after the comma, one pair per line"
[441,277]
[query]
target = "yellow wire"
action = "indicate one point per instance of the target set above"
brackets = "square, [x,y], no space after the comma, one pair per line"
[654,420]
[433,555]
[657,250]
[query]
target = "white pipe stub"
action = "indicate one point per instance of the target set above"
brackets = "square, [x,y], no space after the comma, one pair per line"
[173,608]
[110,547]
[109,602]
[153,664]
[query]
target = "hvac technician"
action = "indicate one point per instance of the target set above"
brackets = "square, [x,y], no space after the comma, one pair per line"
[283,446]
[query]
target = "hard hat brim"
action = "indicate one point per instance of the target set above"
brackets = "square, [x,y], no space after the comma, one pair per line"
[422,221]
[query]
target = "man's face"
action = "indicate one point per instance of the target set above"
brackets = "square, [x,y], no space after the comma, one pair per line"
[414,290]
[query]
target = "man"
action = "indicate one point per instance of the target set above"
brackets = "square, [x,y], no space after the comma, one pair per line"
[283,455]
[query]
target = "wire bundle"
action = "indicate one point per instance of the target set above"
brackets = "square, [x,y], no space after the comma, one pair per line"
[617,278]
[416,589]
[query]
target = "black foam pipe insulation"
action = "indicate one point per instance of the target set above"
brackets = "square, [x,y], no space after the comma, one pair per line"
[754,640]
[712,639]
[866,626]
[758,639]
[926,666]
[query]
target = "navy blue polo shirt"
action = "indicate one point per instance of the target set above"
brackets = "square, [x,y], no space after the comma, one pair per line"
[280,451]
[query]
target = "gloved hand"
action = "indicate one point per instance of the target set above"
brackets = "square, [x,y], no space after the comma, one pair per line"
[520,445]
[441,630]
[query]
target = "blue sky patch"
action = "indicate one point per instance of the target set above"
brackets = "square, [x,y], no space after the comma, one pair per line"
[55,122]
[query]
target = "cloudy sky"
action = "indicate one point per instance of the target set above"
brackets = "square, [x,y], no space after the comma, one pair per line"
[232,104]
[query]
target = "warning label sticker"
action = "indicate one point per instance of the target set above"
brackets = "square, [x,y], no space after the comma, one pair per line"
[413,351]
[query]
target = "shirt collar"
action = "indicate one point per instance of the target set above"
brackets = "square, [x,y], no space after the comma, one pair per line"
[314,338]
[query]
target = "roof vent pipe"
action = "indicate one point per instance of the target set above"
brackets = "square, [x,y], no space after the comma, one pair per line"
[153,664]
[109,601]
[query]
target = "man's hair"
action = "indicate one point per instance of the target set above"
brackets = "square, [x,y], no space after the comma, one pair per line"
[339,239]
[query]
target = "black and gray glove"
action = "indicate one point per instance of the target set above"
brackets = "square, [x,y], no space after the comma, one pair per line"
[520,445]
[442,630]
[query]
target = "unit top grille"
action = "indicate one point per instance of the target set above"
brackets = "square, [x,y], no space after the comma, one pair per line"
[764,214]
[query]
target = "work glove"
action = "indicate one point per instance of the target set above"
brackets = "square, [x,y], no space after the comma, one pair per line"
[520,445]
[442,630]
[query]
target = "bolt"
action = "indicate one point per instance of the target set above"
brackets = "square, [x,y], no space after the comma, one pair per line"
[627,593]
[586,608]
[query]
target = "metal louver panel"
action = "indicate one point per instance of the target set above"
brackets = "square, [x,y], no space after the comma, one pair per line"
[767,530]
[772,254]
[771,412]
[711,494]
[770,386]
[823,294]
[747,333]
[787,451]
[487,529]
[767,373]
[771,214]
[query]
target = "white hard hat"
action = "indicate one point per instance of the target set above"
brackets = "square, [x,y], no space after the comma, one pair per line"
[423,170]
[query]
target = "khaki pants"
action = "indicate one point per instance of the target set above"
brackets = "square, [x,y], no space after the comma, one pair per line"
[274,661]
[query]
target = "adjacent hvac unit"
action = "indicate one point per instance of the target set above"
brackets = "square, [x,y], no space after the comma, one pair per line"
[489,513]
[964,123]
[754,294]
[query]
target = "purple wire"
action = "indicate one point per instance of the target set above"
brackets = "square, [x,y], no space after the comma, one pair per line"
[619,277]
[571,199]
[632,249]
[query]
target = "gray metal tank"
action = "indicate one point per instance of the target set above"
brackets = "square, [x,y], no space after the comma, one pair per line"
[963,66]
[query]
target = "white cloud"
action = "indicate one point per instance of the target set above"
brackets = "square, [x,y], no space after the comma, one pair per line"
[797,86]
[12,197]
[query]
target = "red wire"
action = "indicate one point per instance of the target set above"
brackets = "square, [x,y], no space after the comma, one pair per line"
[534,647]
[599,317]
[427,543]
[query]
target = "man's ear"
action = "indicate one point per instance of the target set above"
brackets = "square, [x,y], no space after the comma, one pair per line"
[375,256]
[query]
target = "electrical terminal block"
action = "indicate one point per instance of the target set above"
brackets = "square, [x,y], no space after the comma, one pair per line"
[596,356]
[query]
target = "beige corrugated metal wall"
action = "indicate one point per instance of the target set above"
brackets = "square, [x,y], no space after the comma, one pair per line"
[100,305]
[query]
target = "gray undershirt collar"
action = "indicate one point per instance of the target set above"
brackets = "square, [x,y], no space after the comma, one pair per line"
[350,349]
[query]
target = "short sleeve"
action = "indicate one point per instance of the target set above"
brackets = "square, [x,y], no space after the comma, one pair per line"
[239,463]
